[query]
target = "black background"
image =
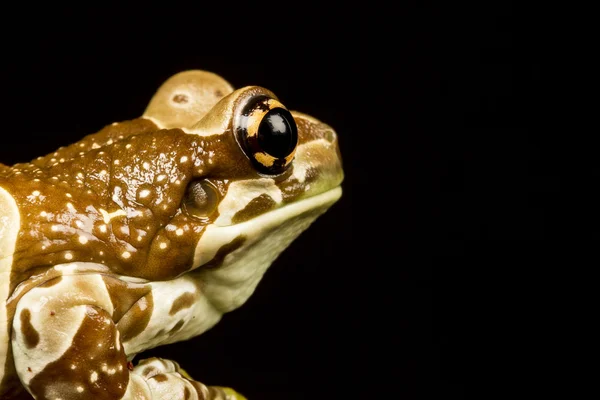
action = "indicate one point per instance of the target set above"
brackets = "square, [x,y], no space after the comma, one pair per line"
[434,108]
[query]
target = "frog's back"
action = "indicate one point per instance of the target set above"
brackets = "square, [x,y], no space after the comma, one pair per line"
[9,226]
[16,182]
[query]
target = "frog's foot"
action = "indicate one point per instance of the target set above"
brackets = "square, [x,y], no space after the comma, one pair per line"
[165,377]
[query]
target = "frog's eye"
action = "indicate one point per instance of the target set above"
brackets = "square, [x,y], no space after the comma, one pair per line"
[201,199]
[268,134]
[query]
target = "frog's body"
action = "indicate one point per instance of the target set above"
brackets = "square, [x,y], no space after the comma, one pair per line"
[146,233]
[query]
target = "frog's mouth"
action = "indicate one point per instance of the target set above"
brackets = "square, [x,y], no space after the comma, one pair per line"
[217,242]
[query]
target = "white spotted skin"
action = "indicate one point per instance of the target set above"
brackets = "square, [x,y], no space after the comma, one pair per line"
[9,227]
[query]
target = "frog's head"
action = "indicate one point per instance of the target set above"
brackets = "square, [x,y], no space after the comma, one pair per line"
[210,179]
[263,173]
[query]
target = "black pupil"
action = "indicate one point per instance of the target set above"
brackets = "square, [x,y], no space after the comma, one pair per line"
[277,133]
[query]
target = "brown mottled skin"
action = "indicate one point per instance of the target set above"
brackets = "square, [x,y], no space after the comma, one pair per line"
[112,205]
[55,176]
[116,189]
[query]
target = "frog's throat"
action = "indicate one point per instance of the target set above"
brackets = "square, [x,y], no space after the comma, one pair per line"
[229,282]
[307,210]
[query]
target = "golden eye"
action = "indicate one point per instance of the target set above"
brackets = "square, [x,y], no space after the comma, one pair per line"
[268,134]
[201,199]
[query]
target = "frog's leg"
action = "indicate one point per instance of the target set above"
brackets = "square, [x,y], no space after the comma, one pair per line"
[67,346]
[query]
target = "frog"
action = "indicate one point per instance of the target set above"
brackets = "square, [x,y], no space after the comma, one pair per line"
[148,231]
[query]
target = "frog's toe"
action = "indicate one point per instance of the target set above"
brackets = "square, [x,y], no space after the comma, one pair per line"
[184,373]
[231,394]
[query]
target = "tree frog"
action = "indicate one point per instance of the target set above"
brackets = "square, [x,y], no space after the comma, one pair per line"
[146,232]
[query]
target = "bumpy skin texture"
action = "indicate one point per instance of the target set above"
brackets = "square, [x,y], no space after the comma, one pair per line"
[147,232]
